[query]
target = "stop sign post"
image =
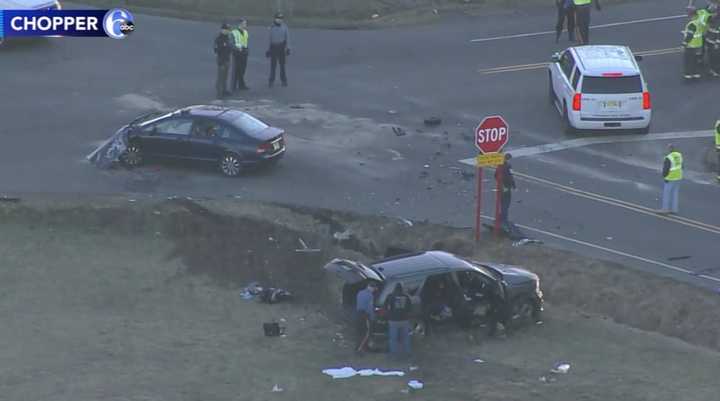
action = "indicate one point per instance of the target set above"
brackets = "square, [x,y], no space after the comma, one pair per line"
[491,135]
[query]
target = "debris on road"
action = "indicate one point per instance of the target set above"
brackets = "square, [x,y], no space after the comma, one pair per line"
[343,236]
[413,368]
[250,291]
[305,248]
[297,106]
[375,16]
[673,258]
[561,368]
[406,221]
[526,241]
[433,121]
[426,166]
[392,111]
[416,384]
[479,361]
[277,389]
[399,131]
[347,372]
[273,329]
[9,199]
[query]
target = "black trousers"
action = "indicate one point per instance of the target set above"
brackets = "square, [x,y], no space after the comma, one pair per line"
[582,19]
[692,58]
[714,58]
[240,59]
[505,199]
[277,56]
[563,15]
[221,79]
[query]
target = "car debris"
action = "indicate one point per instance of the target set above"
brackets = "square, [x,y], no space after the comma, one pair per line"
[526,241]
[406,221]
[561,368]
[399,131]
[273,329]
[9,199]
[277,389]
[432,121]
[305,248]
[416,384]
[478,361]
[343,236]
[108,153]
[274,295]
[347,372]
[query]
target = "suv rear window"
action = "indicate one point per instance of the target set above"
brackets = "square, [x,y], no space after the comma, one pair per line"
[610,85]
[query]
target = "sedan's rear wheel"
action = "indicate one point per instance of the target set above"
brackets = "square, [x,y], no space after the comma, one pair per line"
[133,156]
[230,165]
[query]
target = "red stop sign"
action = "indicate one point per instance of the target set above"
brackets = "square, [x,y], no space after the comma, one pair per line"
[492,134]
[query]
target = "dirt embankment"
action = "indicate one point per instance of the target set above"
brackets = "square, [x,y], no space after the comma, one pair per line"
[324,13]
[236,242]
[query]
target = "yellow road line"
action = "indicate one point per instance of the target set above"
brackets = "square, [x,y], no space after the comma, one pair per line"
[536,66]
[620,203]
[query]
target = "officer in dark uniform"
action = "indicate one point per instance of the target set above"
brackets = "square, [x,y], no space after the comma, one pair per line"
[566,11]
[223,49]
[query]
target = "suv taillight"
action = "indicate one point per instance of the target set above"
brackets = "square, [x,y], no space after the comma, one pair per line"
[577,102]
[646,101]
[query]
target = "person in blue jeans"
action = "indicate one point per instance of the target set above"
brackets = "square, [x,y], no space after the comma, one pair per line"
[399,306]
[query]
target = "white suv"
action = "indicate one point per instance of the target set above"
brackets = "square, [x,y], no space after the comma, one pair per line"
[599,88]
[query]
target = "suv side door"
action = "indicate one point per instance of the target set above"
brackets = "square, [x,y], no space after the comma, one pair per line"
[563,75]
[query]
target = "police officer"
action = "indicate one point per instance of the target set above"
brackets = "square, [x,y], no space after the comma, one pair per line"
[672,174]
[506,184]
[582,18]
[712,41]
[223,48]
[240,55]
[399,305]
[279,49]
[717,145]
[566,11]
[693,44]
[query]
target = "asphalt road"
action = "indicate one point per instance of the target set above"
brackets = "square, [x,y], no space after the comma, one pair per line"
[64,95]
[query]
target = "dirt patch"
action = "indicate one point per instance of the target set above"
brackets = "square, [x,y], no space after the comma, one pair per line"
[237,242]
[140,301]
[332,14]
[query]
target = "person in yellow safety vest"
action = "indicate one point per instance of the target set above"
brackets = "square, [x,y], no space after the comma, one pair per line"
[672,174]
[240,56]
[693,43]
[582,18]
[717,146]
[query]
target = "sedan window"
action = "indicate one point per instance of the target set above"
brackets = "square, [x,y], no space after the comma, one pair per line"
[173,126]
[208,129]
[245,122]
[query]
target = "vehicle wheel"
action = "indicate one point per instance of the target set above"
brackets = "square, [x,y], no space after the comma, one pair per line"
[567,127]
[133,156]
[230,165]
[644,131]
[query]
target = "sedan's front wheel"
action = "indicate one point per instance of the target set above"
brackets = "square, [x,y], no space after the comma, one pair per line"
[133,156]
[230,165]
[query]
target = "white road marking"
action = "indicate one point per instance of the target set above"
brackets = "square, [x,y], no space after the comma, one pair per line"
[614,251]
[525,35]
[581,142]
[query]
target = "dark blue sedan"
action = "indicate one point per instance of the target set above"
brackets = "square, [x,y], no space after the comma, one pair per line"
[227,137]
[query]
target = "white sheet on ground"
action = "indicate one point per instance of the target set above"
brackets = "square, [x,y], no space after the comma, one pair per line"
[346,372]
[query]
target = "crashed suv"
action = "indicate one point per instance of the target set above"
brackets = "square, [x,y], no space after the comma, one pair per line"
[445,286]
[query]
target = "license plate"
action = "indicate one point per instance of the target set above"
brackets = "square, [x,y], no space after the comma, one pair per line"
[611,104]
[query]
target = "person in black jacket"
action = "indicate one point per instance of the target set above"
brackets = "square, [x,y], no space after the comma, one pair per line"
[399,305]
[506,183]
[223,49]
[566,11]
